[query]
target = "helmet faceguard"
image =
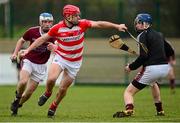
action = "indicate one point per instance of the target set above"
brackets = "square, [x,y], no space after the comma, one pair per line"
[46,21]
[71,13]
[144,19]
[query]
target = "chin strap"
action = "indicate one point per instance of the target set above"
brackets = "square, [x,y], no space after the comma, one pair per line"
[70,22]
[146,25]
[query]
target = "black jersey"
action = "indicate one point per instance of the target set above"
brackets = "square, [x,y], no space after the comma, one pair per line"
[170,53]
[156,55]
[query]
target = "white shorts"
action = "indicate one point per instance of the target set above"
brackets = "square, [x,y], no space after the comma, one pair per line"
[153,73]
[71,67]
[37,71]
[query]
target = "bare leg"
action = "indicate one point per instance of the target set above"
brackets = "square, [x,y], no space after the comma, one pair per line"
[171,77]
[64,85]
[24,77]
[53,74]
[129,94]
[157,99]
[30,88]
[156,93]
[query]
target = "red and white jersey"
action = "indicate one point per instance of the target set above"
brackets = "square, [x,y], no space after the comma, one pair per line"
[70,40]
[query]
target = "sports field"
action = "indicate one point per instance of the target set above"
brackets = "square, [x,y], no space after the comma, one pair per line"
[91,104]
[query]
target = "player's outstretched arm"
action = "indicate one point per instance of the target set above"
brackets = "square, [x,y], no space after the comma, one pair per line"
[106,24]
[36,43]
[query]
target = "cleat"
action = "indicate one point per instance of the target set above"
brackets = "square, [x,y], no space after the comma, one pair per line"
[14,107]
[51,113]
[14,114]
[52,110]
[125,113]
[42,100]
[20,105]
[160,113]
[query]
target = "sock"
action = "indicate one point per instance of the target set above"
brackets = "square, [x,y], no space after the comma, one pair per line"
[53,106]
[18,96]
[158,106]
[129,107]
[47,93]
[172,83]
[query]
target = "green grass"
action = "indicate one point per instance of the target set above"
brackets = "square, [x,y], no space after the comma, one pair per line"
[91,104]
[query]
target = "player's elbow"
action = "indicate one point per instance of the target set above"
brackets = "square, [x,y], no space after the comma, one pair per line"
[98,24]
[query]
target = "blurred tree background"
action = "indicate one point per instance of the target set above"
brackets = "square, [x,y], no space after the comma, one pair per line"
[25,13]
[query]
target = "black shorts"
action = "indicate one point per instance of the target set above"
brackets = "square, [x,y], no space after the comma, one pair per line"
[138,85]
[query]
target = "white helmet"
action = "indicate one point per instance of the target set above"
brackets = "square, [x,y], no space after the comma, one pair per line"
[45,16]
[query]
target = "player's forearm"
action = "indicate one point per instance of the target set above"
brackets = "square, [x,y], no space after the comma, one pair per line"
[137,63]
[36,43]
[105,24]
[19,45]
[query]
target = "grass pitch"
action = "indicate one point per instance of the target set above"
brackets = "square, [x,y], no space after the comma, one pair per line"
[91,104]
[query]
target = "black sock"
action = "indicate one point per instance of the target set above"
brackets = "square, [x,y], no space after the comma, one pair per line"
[158,106]
[172,83]
[18,96]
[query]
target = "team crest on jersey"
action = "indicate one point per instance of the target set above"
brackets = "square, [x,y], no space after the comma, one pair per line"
[65,29]
[63,34]
[33,39]
[71,38]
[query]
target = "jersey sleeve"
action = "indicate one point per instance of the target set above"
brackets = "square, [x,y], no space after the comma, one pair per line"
[85,24]
[27,35]
[53,31]
[169,50]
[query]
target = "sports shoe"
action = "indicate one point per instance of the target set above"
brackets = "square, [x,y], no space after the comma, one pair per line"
[20,105]
[14,107]
[125,113]
[160,113]
[51,113]
[42,100]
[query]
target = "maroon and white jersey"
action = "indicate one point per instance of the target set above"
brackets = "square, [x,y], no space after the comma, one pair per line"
[41,54]
[70,40]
